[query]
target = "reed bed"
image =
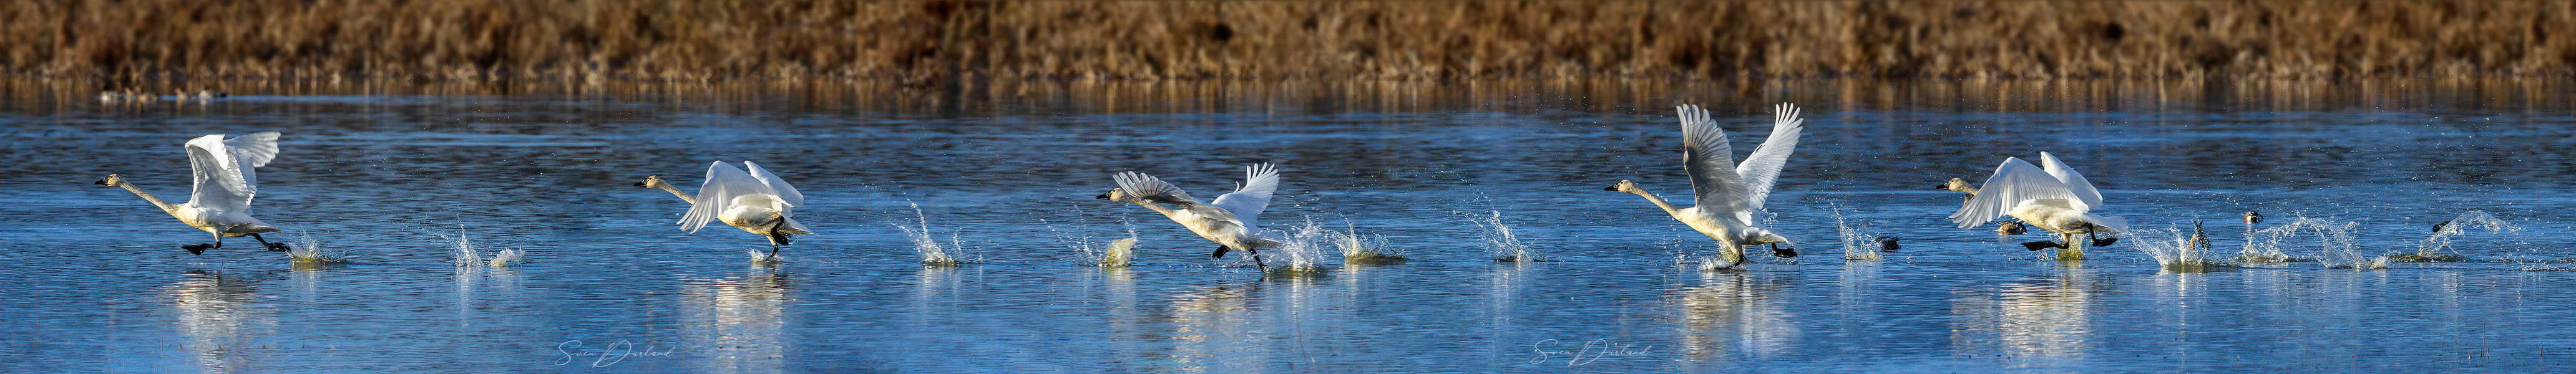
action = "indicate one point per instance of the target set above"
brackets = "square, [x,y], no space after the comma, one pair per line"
[925,42]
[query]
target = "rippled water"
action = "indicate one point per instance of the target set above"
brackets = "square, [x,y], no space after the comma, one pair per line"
[99,284]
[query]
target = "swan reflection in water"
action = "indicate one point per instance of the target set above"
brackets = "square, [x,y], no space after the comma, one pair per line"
[733,324]
[2046,319]
[216,312]
[1732,316]
[1210,327]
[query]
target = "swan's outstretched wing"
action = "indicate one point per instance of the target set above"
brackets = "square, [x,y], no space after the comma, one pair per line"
[1763,166]
[2074,182]
[255,149]
[1247,201]
[724,185]
[222,182]
[2014,182]
[1153,189]
[1711,163]
[785,192]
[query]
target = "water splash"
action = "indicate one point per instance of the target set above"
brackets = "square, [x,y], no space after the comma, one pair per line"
[1363,249]
[1499,240]
[1858,243]
[1299,251]
[463,245]
[2179,251]
[2432,248]
[506,258]
[2337,244]
[468,254]
[308,250]
[932,251]
[1115,253]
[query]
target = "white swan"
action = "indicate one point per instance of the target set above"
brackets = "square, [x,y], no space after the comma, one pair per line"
[2053,198]
[756,202]
[225,183]
[1232,221]
[1728,197]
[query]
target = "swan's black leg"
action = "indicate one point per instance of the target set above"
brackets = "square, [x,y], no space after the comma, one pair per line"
[263,242]
[776,239]
[1256,259]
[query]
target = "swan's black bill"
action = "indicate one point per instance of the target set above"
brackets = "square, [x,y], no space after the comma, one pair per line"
[2039,245]
[101,182]
[1610,188]
[1106,197]
[1944,187]
[641,184]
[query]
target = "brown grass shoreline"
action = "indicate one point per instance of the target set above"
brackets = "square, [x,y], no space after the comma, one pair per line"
[945,42]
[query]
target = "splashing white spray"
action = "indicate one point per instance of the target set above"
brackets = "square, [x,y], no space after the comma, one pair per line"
[1858,244]
[2432,248]
[2176,250]
[932,251]
[1499,239]
[306,249]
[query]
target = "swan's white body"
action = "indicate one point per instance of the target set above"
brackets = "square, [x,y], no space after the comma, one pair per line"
[756,202]
[225,182]
[2053,198]
[1729,197]
[1232,221]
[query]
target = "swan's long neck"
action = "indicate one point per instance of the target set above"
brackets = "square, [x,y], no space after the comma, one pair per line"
[1659,202]
[1156,207]
[684,196]
[147,196]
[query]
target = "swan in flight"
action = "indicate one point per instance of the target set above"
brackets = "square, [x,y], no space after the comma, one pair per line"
[1727,203]
[2051,197]
[1232,221]
[2002,228]
[756,202]
[225,183]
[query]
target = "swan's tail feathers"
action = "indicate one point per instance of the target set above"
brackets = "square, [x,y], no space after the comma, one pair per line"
[1221,249]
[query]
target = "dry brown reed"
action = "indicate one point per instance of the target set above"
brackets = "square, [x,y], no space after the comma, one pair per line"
[931,41]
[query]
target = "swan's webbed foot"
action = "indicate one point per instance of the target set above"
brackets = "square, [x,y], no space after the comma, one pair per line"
[2104,242]
[2043,244]
[1783,252]
[272,247]
[197,249]
[1888,244]
[1221,249]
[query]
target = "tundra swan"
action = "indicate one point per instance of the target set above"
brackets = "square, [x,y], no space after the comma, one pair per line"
[756,202]
[1727,202]
[225,182]
[2053,198]
[1232,221]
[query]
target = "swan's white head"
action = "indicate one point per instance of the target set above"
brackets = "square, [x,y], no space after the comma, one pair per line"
[1624,186]
[652,181]
[112,180]
[1955,184]
[1119,194]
